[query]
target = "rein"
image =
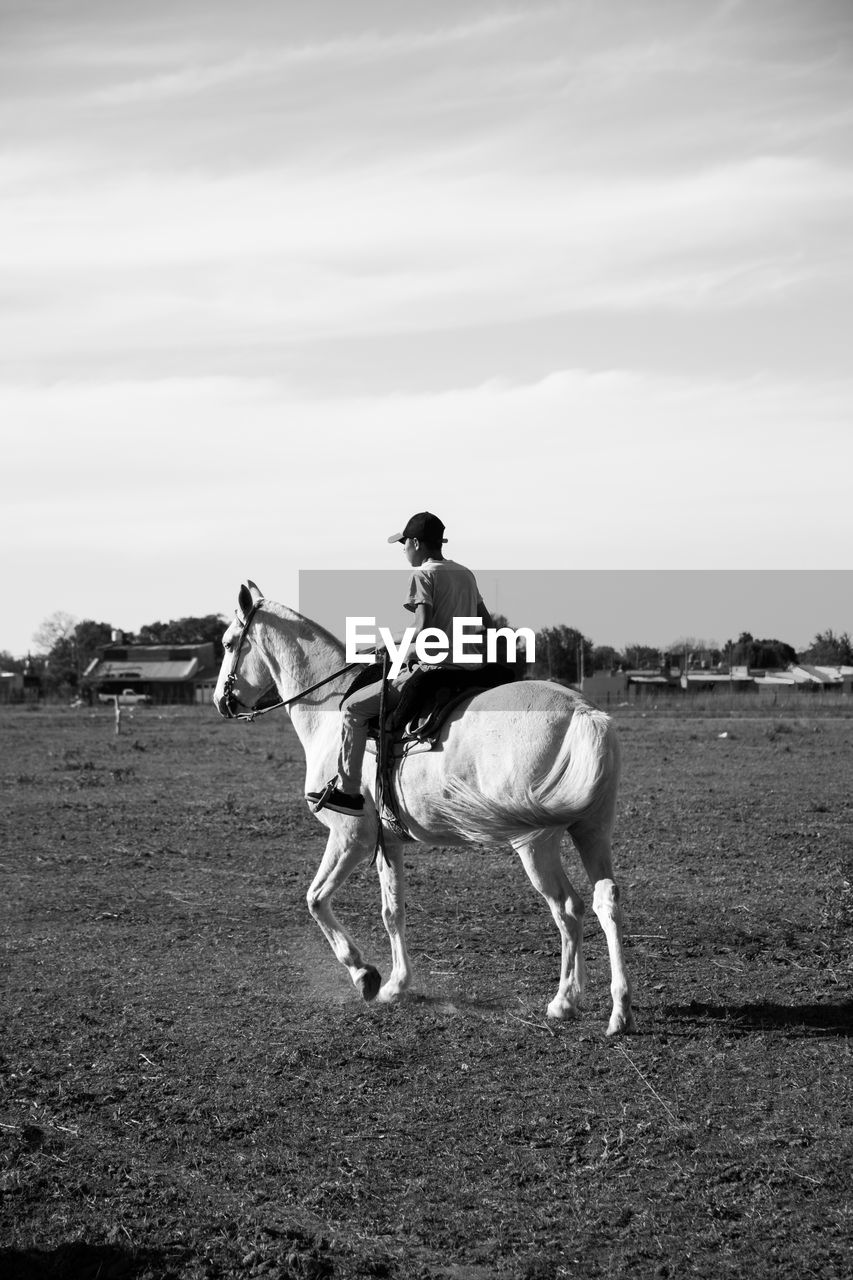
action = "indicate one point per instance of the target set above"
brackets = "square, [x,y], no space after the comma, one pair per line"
[232,702]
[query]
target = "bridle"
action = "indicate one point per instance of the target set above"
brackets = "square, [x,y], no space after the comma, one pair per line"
[231,702]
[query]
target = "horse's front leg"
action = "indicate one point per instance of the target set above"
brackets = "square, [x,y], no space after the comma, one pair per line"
[340,859]
[392,878]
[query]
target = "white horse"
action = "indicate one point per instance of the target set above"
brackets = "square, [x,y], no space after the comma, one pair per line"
[523,762]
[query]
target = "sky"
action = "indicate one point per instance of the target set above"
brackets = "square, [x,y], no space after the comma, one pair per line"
[576,276]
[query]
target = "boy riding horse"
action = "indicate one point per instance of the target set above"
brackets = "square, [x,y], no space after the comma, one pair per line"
[439,591]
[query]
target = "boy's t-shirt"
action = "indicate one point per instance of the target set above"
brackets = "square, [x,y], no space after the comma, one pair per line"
[450,591]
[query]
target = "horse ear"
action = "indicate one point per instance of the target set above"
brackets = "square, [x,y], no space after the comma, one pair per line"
[244,600]
[257,594]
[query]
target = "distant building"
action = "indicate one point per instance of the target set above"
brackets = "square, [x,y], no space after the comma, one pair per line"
[11,686]
[17,686]
[842,675]
[824,677]
[734,681]
[171,674]
[609,688]
[803,677]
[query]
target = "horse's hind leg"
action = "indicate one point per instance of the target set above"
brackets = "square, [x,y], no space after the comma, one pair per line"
[392,879]
[593,845]
[541,858]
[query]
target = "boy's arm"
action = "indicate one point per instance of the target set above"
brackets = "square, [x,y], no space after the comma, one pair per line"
[421,620]
[417,622]
[423,613]
[423,616]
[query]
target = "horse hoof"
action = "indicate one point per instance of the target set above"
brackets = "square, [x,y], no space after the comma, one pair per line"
[562,1010]
[622,1024]
[369,983]
[391,994]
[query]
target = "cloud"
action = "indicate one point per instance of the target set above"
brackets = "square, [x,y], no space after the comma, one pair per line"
[364,48]
[136,500]
[516,164]
[105,267]
[586,450]
[272,189]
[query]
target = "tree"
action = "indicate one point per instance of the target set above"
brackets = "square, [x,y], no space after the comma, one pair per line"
[763,655]
[557,652]
[741,649]
[10,663]
[606,658]
[89,637]
[58,626]
[70,647]
[186,631]
[700,653]
[830,650]
[60,672]
[643,657]
[55,662]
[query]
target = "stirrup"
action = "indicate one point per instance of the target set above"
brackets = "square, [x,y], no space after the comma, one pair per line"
[323,796]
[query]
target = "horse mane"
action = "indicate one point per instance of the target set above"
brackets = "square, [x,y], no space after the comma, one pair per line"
[312,629]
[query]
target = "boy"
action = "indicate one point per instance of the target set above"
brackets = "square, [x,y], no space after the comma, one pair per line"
[440,590]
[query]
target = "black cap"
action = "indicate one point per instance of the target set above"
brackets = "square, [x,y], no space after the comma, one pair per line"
[425,527]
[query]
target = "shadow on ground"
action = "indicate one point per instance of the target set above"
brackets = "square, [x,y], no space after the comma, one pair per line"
[80,1261]
[806,1019]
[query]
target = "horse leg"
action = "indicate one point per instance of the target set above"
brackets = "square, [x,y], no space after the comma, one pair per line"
[392,879]
[541,859]
[339,861]
[593,845]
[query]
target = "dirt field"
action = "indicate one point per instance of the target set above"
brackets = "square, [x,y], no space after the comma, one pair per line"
[192,1088]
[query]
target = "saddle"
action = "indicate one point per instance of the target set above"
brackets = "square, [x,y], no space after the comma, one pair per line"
[426,701]
[428,697]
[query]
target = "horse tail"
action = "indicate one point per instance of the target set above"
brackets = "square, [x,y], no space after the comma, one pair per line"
[582,778]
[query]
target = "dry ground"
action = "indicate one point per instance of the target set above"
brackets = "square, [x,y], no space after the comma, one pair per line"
[192,1088]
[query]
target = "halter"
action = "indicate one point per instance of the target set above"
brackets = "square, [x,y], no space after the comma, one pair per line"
[231,702]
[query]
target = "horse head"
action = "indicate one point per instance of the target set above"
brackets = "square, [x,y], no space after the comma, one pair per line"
[245,676]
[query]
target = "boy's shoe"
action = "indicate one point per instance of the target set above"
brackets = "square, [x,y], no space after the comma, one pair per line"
[336,800]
